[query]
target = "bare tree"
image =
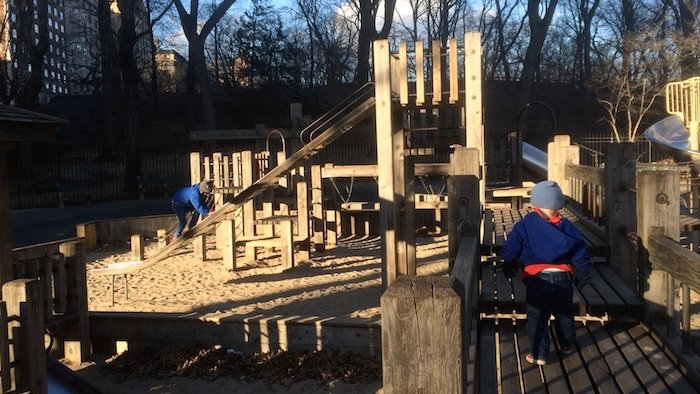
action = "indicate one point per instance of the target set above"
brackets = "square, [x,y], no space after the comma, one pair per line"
[199,92]
[31,45]
[539,25]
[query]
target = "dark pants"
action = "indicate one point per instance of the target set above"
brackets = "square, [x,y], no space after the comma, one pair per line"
[549,294]
[181,212]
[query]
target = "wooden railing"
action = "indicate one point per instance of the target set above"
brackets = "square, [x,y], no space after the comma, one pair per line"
[22,355]
[59,268]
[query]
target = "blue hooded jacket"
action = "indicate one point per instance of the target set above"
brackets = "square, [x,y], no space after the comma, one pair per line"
[533,240]
[188,198]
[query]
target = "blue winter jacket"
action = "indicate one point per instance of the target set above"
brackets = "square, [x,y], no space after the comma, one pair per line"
[534,240]
[188,198]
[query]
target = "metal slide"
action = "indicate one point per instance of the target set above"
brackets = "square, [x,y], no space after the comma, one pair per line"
[332,125]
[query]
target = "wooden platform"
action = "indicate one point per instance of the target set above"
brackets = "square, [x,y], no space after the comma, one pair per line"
[612,358]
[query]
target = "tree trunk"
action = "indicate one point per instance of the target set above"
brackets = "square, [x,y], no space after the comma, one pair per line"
[538,33]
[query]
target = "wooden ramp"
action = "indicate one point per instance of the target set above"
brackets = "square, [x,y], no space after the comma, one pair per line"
[324,131]
[612,358]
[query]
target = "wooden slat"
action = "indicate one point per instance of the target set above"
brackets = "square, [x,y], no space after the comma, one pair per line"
[420,74]
[437,72]
[612,303]
[488,382]
[487,236]
[487,301]
[531,378]
[633,303]
[637,362]
[510,375]
[595,363]
[574,370]
[454,77]
[403,73]
[663,365]
[554,376]
[616,363]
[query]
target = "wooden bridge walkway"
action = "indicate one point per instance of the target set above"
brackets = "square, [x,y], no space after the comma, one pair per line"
[614,353]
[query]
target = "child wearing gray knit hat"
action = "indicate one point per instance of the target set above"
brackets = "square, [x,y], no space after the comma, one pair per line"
[554,258]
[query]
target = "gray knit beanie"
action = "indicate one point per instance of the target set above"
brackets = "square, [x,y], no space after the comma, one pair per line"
[548,195]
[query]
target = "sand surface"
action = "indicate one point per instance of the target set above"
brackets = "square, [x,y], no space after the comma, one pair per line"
[343,282]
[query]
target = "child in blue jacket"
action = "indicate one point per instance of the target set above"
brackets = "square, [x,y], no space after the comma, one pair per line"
[191,199]
[554,257]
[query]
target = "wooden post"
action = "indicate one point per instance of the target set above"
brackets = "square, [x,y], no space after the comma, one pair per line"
[218,196]
[437,71]
[620,210]
[162,235]
[88,232]
[421,336]
[199,243]
[23,299]
[559,152]
[6,270]
[317,209]
[59,282]
[137,247]
[420,74]
[247,164]
[195,168]
[76,301]
[473,107]
[658,207]
[404,215]
[228,250]
[454,71]
[287,243]
[385,159]
[303,214]
[463,204]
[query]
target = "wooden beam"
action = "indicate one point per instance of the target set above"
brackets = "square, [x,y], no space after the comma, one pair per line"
[473,102]
[385,158]
[437,72]
[420,74]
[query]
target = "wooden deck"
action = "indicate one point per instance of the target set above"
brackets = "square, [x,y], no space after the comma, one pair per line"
[609,358]
[614,352]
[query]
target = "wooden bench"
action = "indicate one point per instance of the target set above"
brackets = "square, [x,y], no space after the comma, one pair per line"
[115,266]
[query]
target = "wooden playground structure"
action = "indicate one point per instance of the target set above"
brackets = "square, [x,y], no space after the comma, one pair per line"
[465,329]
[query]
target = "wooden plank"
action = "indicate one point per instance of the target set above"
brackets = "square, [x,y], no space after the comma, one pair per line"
[621,373]
[488,235]
[633,303]
[555,377]
[573,369]
[385,162]
[661,363]
[437,72]
[508,357]
[403,73]
[454,71]
[636,360]
[520,294]
[59,282]
[595,363]
[504,292]
[487,300]
[488,380]
[532,379]
[420,74]
[589,174]
[317,209]
[614,305]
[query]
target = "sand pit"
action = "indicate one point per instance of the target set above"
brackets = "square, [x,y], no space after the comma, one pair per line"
[343,283]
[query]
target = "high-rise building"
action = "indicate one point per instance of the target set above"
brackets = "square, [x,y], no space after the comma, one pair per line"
[72,60]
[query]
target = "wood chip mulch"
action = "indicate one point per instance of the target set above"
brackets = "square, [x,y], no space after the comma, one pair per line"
[209,363]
